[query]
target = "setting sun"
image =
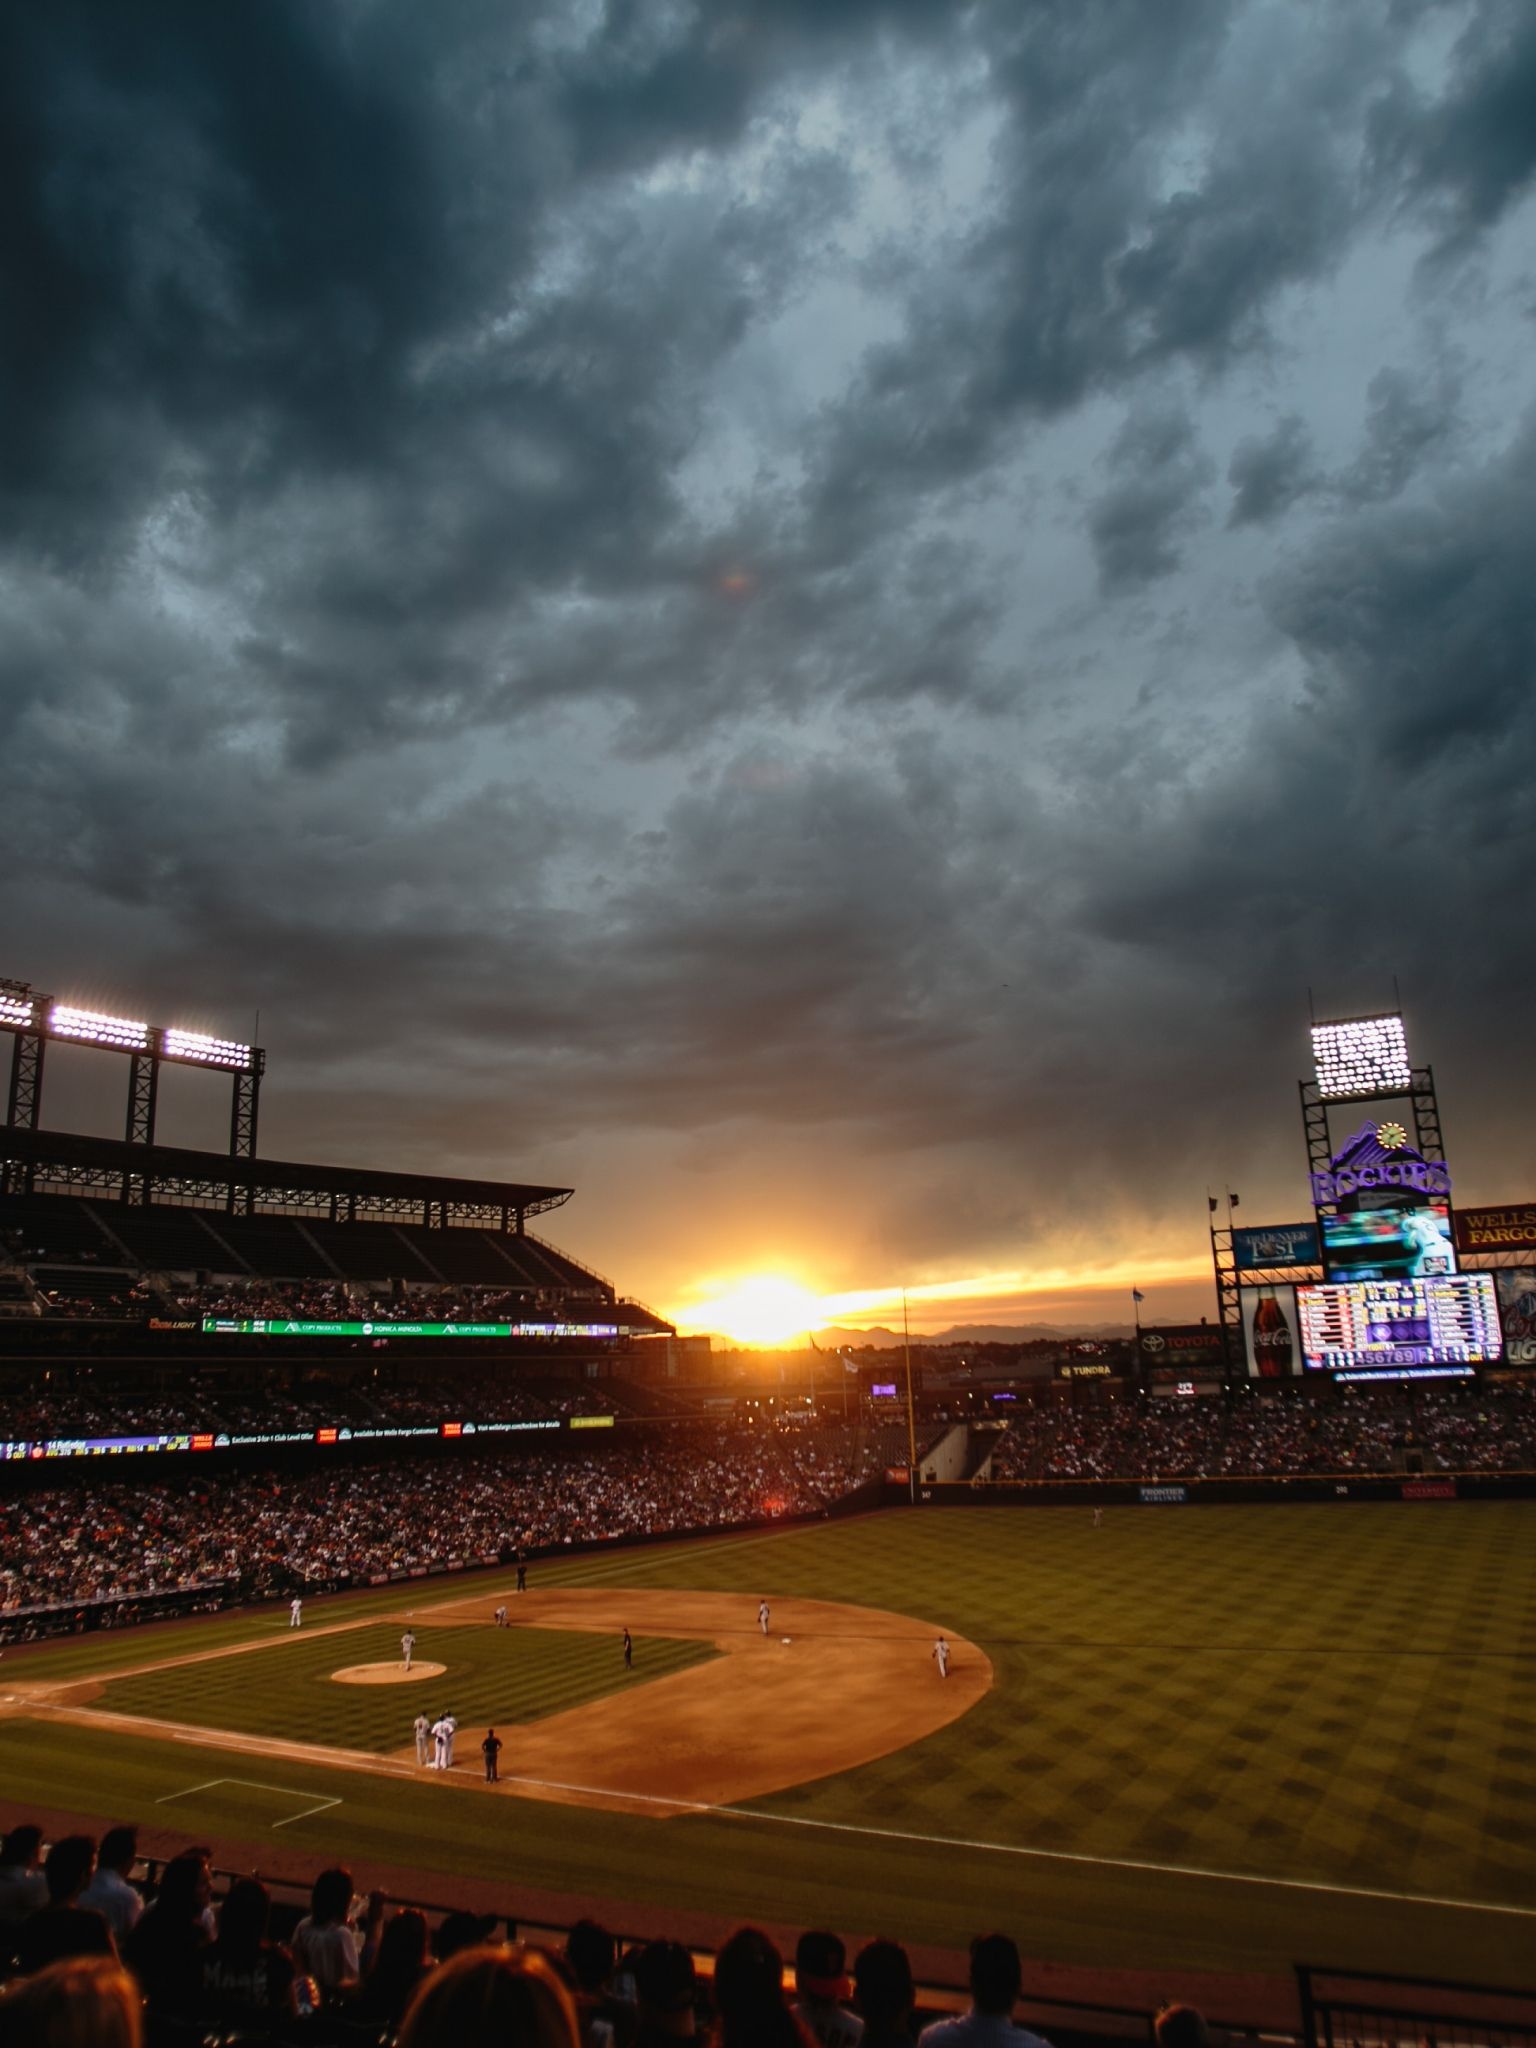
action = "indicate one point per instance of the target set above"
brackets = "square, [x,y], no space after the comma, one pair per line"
[765,1310]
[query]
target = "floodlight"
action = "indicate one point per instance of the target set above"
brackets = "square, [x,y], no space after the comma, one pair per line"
[197,1046]
[1358,1056]
[15,1010]
[91,1028]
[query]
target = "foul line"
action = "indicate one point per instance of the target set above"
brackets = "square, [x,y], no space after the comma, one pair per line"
[1293,1884]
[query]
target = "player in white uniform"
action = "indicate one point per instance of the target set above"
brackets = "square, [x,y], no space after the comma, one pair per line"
[1098,1518]
[423,1730]
[762,1616]
[295,1612]
[450,1722]
[440,1743]
[407,1647]
[941,1657]
[501,1616]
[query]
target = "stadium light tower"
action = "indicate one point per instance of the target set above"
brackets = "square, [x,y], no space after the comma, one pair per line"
[1365,1059]
[34,1020]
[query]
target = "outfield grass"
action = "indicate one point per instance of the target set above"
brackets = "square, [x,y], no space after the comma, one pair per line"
[500,1675]
[1219,1737]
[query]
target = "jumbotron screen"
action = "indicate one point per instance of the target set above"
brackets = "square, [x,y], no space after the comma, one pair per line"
[1436,1328]
[1390,1244]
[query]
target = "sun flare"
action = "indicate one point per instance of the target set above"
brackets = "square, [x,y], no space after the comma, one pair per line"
[763,1310]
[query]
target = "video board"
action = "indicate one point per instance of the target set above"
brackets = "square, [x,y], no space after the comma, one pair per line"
[1436,1328]
[1389,1244]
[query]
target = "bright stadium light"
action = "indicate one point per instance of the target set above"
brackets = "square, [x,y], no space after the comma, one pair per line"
[15,1010]
[198,1047]
[91,1028]
[1361,1056]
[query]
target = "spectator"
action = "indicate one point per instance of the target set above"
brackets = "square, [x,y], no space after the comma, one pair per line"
[1181,2026]
[605,2020]
[492,1998]
[246,1979]
[86,2002]
[63,1928]
[996,1979]
[666,1996]
[109,1893]
[397,1969]
[165,1950]
[324,1945]
[820,1988]
[882,1976]
[461,1930]
[23,1888]
[749,1995]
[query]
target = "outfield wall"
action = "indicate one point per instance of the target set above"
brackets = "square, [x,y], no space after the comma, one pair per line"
[1262,1491]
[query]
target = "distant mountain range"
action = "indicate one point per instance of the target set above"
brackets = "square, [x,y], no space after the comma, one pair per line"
[972,1333]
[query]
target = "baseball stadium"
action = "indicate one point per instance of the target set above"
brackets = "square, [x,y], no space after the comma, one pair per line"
[351,1524]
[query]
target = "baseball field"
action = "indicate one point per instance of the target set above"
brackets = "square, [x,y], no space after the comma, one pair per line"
[1213,1738]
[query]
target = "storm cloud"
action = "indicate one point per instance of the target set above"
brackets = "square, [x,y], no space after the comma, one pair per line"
[654,588]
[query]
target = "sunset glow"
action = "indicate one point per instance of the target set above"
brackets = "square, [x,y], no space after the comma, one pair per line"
[762,1310]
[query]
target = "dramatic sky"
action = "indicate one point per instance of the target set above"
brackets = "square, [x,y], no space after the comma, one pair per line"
[813,618]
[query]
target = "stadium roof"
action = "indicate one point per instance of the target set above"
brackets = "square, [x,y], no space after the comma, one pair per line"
[65,1161]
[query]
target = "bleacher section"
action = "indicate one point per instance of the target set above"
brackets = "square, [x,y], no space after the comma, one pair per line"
[370,1251]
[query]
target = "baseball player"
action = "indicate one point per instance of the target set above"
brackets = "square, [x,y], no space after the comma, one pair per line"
[941,1657]
[762,1616]
[522,1573]
[501,1615]
[450,1722]
[629,1651]
[440,1740]
[407,1647]
[490,1749]
[295,1612]
[423,1729]
[1098,1518]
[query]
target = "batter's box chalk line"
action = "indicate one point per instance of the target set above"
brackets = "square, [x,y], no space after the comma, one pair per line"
[251,1785]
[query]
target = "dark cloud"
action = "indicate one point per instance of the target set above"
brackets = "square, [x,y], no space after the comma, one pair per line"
[1409,419]
[1136,525]
[1271,473]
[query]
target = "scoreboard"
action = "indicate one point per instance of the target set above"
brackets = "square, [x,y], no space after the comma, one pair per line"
[1437,1327]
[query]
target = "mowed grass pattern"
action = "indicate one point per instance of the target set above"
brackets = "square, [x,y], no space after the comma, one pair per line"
[500,1676]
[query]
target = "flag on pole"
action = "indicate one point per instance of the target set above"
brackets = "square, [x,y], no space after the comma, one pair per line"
[1137,1295]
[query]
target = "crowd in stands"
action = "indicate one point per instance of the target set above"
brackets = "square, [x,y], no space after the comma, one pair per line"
[252,1535]
[91,1957]
[1366,1430]
[88,1292]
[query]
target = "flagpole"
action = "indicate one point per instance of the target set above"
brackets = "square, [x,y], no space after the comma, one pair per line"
[906,1345]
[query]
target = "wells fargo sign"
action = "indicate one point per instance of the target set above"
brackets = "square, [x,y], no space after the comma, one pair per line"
[1497,1230]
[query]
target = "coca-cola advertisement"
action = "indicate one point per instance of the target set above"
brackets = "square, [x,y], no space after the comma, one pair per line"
[1271,1332]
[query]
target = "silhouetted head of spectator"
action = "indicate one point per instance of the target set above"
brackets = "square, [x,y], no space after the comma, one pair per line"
[68,1867]
[749,1995]
[330,1899]
[589,1950]
[185,1886]
[402,1946]
[882,1977]
[20,1847]
[666,1988]
[458,1931]
[492,1998]
[1181,2026]
[243,1917]
[86,2002]
[820,1959]
[119,1850]
[996,1973]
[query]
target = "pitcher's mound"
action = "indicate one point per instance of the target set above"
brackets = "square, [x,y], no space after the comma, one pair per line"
[386,1674]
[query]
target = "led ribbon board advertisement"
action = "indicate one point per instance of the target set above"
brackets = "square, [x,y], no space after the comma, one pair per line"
[1400,1329]
[1389,1244]
[276,1326]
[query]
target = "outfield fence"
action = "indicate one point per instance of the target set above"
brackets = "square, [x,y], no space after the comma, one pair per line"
[1356,2009]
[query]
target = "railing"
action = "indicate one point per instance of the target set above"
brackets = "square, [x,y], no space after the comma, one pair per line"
[1363,2009]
